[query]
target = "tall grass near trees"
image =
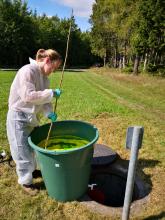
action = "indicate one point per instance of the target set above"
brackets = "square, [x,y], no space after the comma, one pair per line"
[112,102]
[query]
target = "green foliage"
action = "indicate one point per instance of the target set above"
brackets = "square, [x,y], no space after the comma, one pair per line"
[16,29]
[121,30]
[23,32]
[152,68]
[128,69]
[130,29]
[156,69]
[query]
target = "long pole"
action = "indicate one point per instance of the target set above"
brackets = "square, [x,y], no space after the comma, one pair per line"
[62,76]
[136,141]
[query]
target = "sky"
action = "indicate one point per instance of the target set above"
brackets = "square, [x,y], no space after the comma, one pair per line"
[82,10]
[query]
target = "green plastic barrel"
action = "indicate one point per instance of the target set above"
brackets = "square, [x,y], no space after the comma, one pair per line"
[66,172]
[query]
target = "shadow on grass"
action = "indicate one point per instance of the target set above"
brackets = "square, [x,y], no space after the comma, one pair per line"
[144,163]
[40,185]
[148,163]
[75,70]
[156,217]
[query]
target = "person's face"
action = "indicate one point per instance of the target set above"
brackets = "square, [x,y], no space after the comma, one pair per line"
[50,66]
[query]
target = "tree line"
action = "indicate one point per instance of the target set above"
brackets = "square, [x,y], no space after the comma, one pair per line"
[23,32]
[129,34]
[125,34]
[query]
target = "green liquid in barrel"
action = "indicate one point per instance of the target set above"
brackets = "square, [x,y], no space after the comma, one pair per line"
[62,142]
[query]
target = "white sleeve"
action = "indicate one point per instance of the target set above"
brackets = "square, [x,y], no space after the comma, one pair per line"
[27,90]
[47,108]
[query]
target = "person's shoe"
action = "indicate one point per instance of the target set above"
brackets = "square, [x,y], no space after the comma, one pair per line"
[30,189]
[36,174]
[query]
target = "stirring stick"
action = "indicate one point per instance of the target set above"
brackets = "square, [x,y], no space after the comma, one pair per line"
[62,76]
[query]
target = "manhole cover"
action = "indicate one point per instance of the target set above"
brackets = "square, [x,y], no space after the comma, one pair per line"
[103,155]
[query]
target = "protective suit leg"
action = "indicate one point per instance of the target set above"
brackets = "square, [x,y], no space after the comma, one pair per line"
[18,130]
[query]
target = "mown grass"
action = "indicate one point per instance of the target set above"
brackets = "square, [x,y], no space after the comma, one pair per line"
[111,101]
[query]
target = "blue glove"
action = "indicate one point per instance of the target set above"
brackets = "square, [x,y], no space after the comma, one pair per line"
[57,93]
[52,116]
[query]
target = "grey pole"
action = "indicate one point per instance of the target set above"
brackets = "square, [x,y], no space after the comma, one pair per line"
[133,142]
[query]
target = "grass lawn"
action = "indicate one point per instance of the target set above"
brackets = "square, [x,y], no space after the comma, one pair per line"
[112,101]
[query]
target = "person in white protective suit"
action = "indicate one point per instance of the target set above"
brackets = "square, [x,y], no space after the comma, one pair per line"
[30,95]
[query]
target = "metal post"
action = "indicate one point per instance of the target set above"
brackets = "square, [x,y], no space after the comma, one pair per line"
[133,142]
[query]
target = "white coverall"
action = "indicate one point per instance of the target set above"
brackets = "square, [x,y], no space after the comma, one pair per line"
[29,95]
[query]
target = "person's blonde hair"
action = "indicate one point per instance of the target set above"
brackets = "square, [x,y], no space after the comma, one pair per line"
[52,54]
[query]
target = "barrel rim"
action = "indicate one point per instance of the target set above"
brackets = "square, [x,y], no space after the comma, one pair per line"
[58,152]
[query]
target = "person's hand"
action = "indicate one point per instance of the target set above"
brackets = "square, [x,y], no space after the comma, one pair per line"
[57,93]
[52,116]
